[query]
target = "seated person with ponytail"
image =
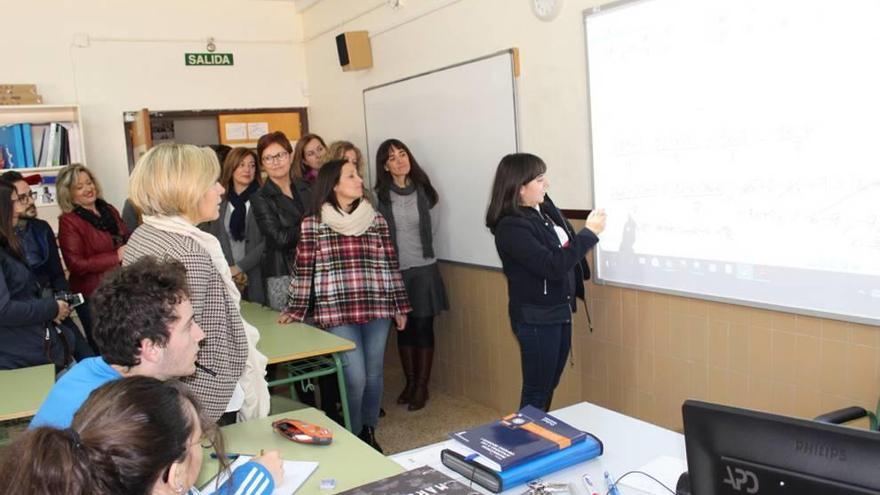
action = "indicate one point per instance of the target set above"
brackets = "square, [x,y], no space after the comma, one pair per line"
[137,436]
[144,326]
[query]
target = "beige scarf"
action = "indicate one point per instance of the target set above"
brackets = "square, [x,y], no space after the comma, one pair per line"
[253,380]
[355,223]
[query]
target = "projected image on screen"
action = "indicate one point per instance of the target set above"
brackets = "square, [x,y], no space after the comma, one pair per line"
[735,150]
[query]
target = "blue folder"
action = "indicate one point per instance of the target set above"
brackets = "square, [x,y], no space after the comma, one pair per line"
[27,143]
[523,473]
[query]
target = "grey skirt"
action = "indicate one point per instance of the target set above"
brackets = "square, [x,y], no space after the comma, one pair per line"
[425,290]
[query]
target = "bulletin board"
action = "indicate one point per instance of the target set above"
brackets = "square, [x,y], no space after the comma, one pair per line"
[245,129]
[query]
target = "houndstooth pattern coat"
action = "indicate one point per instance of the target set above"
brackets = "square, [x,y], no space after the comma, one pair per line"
[224,349]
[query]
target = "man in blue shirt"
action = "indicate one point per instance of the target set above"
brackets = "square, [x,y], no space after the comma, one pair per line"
[143,325]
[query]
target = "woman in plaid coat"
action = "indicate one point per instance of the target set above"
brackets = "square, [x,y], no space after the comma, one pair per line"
[346,275]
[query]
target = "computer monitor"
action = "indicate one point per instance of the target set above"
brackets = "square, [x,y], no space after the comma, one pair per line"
[732,451]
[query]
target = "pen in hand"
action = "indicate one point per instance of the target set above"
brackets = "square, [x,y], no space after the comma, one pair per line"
[231,455]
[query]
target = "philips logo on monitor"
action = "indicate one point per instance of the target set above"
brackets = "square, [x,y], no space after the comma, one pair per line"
[741,480]
[820,450]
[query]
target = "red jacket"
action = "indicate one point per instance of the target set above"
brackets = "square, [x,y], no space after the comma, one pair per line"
[87,251]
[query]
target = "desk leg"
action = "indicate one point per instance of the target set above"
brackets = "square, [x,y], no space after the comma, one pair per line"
[343,393]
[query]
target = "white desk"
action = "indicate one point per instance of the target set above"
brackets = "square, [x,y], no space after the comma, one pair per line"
[629,443]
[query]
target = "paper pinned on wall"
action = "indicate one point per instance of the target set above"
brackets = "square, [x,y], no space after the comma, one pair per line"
[236,131]
[257,129]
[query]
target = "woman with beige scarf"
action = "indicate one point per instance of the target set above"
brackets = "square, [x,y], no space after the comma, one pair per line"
[175,187]
[346,259]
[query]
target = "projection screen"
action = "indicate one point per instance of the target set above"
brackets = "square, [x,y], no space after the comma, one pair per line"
[735,149]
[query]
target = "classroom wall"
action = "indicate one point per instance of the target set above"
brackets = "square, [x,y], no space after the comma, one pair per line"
[134,58]
[648,352]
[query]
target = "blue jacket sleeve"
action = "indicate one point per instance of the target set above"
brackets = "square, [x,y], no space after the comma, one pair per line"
[516,238]
[252,478]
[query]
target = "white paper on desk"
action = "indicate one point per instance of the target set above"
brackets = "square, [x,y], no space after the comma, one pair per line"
[664,468]
[295,474]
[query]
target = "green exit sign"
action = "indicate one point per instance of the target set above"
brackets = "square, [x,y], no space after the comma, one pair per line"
[208,59]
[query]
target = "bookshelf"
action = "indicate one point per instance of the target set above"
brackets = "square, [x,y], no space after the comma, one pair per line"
[42,115]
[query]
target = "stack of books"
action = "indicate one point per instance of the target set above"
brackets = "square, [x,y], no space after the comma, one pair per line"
[28,145]
[518,448]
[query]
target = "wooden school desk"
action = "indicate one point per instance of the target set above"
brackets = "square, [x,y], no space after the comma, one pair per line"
[348,460]
[307,352]
[23,390]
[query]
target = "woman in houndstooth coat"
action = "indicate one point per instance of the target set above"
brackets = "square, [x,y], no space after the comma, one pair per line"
[176,188]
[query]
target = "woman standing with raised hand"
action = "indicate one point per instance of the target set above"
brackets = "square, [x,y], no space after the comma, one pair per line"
[407,200]
[236,228]
[347,260]
[544,262]
[279,207]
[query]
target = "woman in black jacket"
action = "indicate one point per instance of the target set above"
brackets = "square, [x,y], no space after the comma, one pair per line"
[32,328]
[543,260]
[279,207]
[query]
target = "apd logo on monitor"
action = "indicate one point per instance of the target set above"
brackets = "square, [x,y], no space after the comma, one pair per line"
[741,480]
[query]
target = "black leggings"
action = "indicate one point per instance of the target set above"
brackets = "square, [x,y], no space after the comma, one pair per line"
[419,332]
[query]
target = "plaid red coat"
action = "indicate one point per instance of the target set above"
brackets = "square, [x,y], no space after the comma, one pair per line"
[356,278]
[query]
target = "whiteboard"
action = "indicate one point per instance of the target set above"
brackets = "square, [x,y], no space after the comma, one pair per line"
[458,122]
[734,148]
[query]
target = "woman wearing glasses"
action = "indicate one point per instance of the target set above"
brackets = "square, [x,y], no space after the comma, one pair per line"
[279,207]
[31,332]
[91,234]
[138,436]
[308,157]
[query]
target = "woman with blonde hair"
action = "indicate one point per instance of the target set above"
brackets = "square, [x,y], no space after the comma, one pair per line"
[91,235]
[346,150]
[176,188]
[236,227]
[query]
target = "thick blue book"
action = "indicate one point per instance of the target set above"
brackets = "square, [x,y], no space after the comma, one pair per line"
[498,481]
[11,140]
[517,438]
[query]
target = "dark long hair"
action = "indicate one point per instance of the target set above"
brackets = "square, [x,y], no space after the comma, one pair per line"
[123,439]
[233,160]
[8,239]
[514,171]
[322,191]
[416,174]
[298,166]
